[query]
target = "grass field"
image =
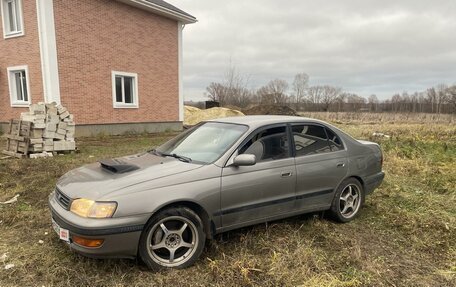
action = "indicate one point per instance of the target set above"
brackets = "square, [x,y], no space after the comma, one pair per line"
[405,234]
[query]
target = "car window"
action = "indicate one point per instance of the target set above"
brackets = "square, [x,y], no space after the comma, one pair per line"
[334,141]
[268,144]
[310,139]
[204,143]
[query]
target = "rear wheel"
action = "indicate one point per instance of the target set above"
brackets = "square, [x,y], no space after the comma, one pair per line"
[174,238]
[348,200]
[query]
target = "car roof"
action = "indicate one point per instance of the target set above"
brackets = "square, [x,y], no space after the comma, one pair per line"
[258,121]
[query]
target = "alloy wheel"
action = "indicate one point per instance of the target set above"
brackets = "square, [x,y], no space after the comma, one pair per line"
[350,201]
[172,241]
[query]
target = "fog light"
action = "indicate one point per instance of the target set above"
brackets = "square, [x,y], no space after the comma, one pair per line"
[87,242]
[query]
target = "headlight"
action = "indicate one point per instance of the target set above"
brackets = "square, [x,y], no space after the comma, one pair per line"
[93,209]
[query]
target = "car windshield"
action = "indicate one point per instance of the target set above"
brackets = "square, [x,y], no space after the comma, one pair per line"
[204,143]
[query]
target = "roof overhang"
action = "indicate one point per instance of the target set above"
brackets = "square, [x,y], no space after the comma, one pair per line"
[163,11]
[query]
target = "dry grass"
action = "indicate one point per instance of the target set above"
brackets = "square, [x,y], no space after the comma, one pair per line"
[404,236]
[375,118]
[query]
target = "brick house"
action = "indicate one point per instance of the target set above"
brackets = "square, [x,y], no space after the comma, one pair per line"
[115,64]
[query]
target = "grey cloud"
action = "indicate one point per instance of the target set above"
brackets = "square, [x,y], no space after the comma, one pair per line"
[381,47]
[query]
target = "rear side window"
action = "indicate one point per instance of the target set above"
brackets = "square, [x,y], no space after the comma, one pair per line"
[334,141]
[268,144]
[310,139]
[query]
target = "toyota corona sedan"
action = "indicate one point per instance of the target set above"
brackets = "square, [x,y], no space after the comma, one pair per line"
[222,174]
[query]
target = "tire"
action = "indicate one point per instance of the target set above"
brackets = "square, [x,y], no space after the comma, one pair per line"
[347,201]
[176,231]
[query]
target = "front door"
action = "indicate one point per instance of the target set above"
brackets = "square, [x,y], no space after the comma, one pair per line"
[266,189]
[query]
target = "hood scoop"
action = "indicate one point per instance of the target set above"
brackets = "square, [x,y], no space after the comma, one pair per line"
[117,166]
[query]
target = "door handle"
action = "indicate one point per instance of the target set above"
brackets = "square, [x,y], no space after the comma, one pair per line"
[287,174]
[340,164]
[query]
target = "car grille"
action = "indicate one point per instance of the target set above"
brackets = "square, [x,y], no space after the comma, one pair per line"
[62,199]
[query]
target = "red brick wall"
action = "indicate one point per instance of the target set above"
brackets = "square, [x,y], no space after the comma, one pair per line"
[19,51]
[95,37]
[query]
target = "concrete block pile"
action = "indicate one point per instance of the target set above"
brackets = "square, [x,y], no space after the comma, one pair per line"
[52,130]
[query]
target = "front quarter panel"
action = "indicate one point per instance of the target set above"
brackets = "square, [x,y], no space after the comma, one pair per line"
[200,186]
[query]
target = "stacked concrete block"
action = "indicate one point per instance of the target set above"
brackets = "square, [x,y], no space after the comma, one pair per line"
[52,130]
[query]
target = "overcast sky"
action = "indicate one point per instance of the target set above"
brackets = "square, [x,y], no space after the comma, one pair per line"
[364,46]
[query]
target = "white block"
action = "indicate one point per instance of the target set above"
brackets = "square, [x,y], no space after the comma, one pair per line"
[27,117]
[37,133]
[48,134]
[37,141]
[52,119]
[64,145]
[48,147]
[39,125]
[51,111]
[63,125]
[64,115]
[37,109]
[59,136]
[61,131]
[51,127]
[42,154]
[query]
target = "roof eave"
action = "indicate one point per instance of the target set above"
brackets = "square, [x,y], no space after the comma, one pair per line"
[156,9]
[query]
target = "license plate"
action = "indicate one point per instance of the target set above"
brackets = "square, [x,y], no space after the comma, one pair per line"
[63,234]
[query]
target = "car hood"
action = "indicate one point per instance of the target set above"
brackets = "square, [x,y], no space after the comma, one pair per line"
[102,178]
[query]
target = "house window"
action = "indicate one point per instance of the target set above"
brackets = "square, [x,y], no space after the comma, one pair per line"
[125,90]
[19,86]
[12,18]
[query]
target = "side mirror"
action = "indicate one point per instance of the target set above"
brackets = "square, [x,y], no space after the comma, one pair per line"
[244,160]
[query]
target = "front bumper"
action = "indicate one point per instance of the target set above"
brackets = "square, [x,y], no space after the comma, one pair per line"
[121,235]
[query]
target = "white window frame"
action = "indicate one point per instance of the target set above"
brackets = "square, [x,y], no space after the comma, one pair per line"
[5,18]
[135,95]
[12,86]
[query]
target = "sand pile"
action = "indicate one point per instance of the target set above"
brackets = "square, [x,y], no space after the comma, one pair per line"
[194,115]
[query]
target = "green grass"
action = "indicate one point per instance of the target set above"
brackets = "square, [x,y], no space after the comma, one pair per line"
[404,236]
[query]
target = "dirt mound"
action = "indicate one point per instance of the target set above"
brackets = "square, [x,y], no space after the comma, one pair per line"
[270,110]
[194,115]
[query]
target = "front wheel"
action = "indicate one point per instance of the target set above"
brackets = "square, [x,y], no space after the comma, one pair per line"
[174,238]
[347,200]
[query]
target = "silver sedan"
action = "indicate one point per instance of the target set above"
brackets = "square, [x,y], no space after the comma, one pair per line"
[222,174]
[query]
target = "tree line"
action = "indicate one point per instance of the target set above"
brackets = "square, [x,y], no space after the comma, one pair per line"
[233,91]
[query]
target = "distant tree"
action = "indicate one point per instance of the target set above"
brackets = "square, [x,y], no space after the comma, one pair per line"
[355,102]
[323,95]
[373,102]
[341,100]
[405,102]
[216,92]
[451,92]
[314,94]
[414,102]
[274,92]
[422,101]
[396,102]
[442,96]
[432,98]
[329,95]
[300,87]
[232,91]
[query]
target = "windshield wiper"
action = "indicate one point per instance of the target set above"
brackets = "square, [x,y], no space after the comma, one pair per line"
[179,157]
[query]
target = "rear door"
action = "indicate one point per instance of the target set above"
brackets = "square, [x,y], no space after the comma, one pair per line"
[252,193]
[321,164]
